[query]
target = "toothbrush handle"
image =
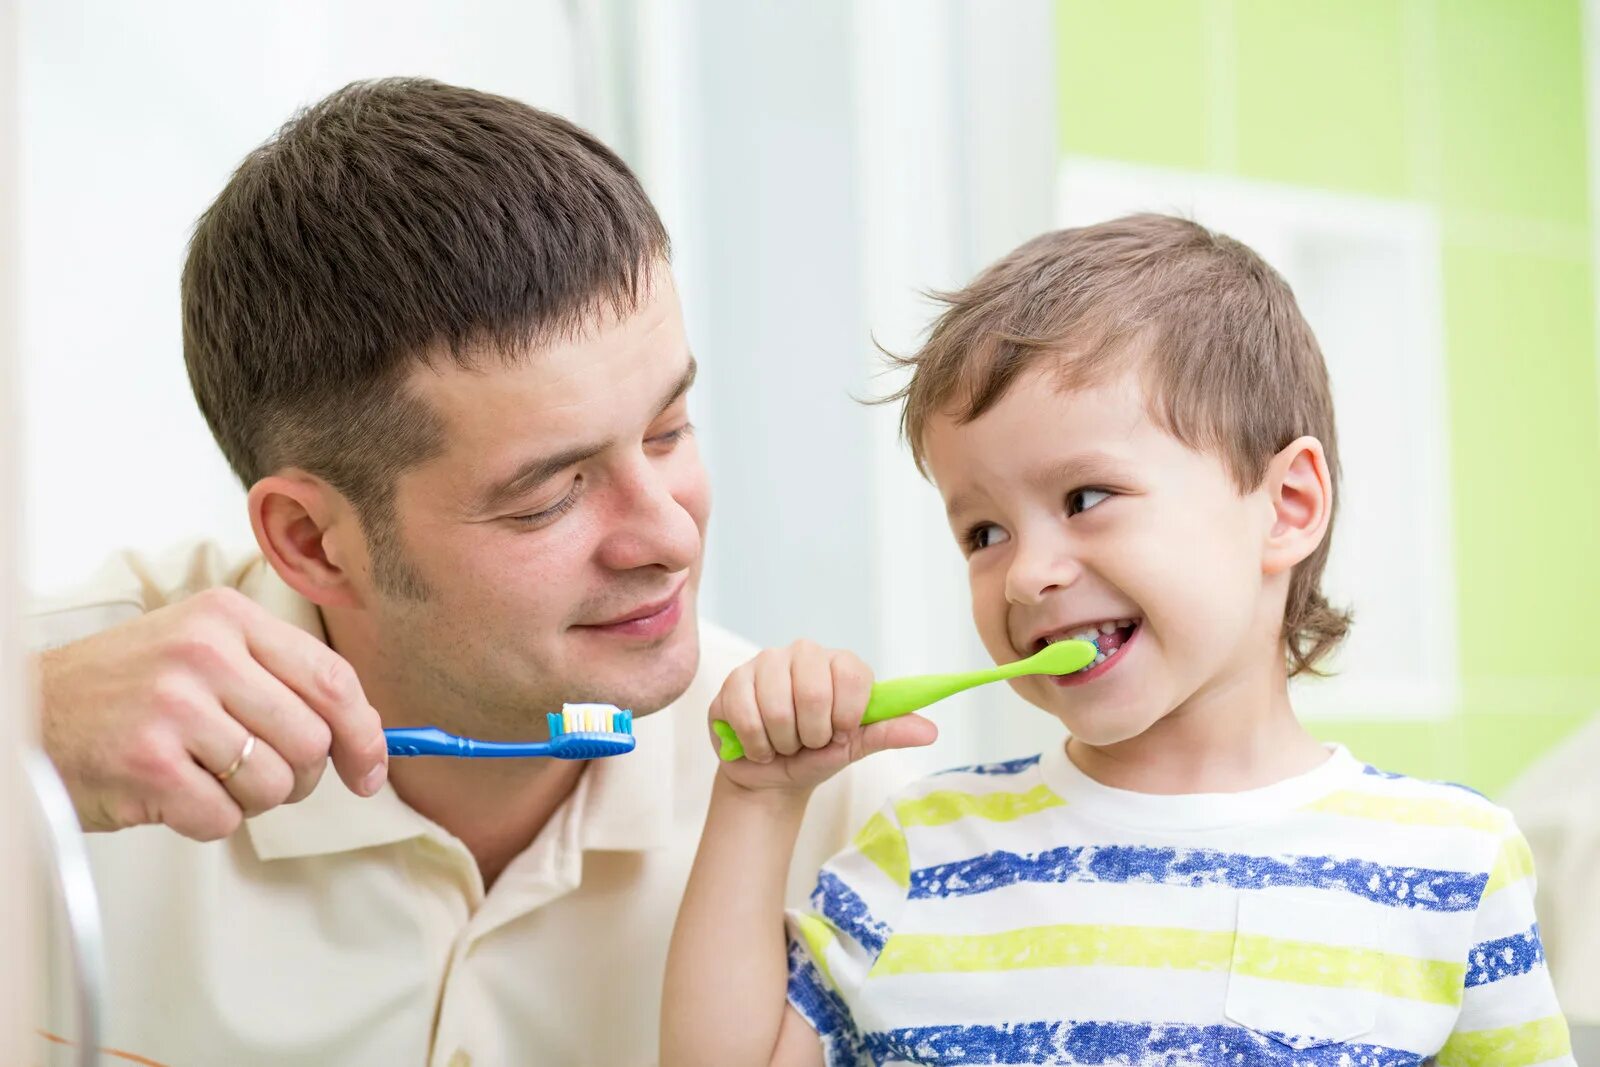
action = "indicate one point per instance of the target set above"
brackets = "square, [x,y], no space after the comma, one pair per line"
[432,741]
[890,699]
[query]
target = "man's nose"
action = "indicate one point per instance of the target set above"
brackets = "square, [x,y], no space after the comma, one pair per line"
[651,528]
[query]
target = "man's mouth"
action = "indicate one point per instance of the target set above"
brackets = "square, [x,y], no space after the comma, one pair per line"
[652,619]
[1108,636]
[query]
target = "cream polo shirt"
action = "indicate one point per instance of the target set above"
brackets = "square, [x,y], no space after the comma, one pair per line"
[343,930]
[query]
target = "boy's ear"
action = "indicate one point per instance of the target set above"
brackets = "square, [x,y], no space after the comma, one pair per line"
[1300,490]
[309,533]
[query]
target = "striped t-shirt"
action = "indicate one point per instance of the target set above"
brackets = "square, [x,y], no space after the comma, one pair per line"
[1024,913]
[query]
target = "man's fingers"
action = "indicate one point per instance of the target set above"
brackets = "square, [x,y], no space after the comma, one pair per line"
[260,779]
[196,805]
[275,713]
[328,685]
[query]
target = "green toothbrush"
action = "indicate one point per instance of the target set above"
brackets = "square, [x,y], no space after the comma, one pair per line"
[901,696]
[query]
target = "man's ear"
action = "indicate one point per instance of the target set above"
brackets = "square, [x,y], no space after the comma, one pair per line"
[310,535]
[1300,489]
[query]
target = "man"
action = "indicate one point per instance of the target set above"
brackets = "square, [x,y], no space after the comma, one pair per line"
[436,335]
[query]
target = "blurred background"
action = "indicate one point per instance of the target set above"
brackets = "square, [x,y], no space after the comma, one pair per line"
[1421,171]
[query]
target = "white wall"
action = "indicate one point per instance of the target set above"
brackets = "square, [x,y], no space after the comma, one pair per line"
[133,116]
[17,902]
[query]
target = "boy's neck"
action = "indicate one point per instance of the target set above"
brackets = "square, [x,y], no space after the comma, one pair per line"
[1227,739]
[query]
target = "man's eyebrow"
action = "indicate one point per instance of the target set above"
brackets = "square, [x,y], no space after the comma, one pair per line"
[689,374]
[542,468]
[537,471]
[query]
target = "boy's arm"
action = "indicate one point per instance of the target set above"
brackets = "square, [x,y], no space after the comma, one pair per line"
[1509,1015]
[797,712]
[728,964]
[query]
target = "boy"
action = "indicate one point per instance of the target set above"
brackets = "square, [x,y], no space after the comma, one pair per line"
[1133,433]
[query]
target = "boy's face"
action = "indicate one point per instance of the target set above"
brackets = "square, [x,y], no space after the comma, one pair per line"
[1079,514]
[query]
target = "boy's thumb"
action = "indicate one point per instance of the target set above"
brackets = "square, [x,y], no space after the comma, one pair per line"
[908,731]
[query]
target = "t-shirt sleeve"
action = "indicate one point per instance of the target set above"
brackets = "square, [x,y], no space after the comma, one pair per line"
[1509,1015]
[834,943]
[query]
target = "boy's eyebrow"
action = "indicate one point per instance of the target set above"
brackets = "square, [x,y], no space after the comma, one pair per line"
[1090,466]
[539,469]
[1093,465]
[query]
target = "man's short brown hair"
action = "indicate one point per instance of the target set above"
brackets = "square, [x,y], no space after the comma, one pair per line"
[395,222]
[1230,366]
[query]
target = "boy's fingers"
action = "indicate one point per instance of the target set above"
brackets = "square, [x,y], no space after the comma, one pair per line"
[737,707]
[814,765]
[775,698]
[852,686]
[908,731]
[811,677]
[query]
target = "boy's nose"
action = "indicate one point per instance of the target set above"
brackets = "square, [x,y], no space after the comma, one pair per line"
[1035,573]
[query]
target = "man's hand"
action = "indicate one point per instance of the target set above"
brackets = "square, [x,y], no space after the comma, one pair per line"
[797,712]
[140,720]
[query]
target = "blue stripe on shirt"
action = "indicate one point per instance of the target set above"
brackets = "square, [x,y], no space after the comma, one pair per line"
[822,1008]
[1375,772]
[835,901]
[1401,887]
[1504,957]
[1015,766]
[1146,1044]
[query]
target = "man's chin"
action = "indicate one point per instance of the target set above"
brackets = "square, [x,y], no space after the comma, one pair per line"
[646,679]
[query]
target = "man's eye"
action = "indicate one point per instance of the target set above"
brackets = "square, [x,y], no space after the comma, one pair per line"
[1080,500]
[672,437]
[555,511]
[983,535]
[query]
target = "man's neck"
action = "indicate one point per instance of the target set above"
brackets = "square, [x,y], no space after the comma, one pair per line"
[494,807]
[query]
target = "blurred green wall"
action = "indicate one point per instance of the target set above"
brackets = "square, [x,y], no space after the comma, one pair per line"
[1475,107]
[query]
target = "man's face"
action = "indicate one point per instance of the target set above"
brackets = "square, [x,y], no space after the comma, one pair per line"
[559,533]
[1078,513]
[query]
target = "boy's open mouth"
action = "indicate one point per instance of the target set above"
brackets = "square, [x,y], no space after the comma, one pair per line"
[1108,636]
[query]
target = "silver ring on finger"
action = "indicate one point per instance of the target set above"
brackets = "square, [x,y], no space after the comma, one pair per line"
[244,754]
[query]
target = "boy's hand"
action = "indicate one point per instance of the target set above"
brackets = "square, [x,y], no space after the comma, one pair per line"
[797,712]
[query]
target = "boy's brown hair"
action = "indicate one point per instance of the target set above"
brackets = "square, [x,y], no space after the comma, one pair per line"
[396,222]
[1231,367]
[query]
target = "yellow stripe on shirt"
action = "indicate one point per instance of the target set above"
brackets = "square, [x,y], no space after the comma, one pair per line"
[1409,811]
[949,805]
[882,842]
[1509,1046]
[1160,947]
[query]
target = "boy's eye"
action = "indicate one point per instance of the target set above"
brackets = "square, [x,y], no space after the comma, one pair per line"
[1080,500]
[984,535]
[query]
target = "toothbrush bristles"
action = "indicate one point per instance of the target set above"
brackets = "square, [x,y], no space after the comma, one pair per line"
[573,720]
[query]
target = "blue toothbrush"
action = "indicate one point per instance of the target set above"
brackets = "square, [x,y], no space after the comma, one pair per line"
[578,731]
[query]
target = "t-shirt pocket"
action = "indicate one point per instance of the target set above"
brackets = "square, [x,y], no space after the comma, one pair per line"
[1306,972]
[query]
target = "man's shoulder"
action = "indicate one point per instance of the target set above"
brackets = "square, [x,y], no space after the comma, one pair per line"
[131,583]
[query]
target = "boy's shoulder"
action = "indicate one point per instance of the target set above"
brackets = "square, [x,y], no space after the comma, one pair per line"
[1429,800]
